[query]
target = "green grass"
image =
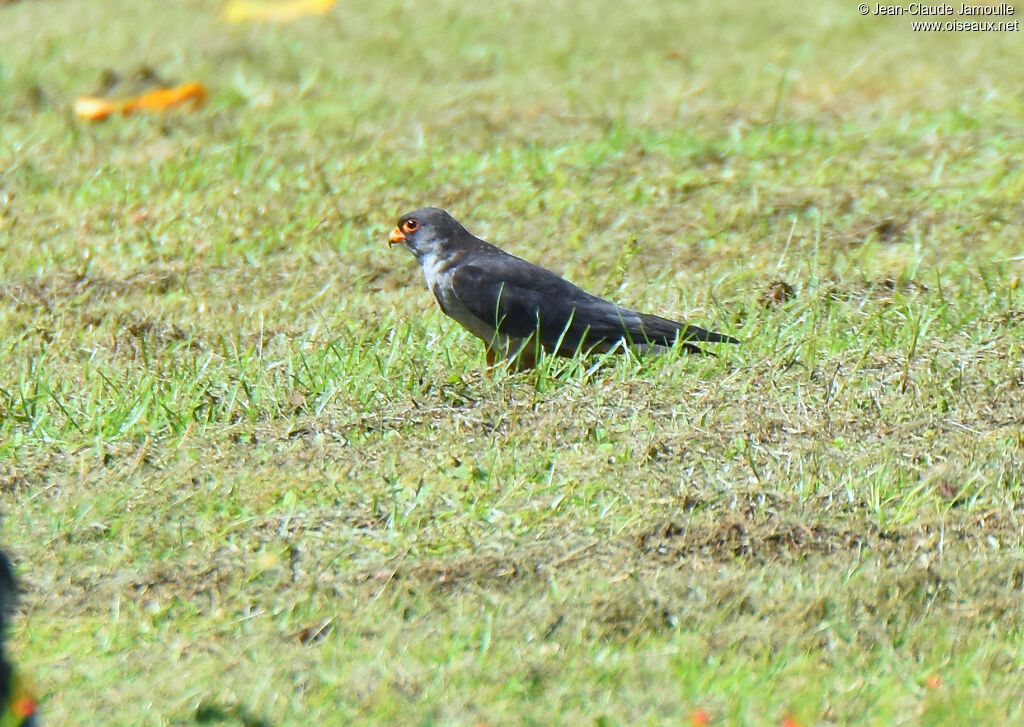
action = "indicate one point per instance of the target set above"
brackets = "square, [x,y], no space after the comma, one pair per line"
[251,475]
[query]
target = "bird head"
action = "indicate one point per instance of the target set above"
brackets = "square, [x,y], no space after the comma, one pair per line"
[426,232]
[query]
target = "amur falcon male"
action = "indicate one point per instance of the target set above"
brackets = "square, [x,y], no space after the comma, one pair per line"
[517,308]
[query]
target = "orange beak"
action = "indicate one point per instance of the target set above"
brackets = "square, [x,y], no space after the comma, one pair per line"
[396,236]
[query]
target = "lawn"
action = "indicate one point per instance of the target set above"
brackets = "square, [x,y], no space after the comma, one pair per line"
[251,475]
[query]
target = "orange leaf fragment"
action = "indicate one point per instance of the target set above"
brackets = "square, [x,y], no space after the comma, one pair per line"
[699,718]
[789,721]
[238,11]
[933,682]
[161,99]
[94,108]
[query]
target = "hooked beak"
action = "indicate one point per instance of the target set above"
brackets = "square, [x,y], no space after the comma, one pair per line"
[396,236]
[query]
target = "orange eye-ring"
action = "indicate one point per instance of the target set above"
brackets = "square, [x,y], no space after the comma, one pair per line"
[410,225]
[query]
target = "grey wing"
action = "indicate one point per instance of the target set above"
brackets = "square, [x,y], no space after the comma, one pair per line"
[518,299]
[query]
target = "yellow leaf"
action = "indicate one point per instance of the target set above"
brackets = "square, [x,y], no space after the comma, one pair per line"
[238,11]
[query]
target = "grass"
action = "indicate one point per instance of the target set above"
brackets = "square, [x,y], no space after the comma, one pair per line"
[251,475]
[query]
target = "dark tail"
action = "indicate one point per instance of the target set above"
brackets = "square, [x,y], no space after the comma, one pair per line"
[664,332]
[694,333]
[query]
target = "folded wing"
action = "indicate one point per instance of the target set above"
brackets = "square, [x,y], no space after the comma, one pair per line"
[519,299]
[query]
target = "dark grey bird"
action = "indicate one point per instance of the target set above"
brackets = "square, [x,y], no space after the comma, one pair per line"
[517,308]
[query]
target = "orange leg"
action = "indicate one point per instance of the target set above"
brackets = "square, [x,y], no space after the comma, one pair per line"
[524,360]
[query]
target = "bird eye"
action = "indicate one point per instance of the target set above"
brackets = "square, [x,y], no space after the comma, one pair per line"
[410,225]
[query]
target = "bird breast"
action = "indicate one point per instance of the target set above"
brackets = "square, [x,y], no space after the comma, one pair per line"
[437,273]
